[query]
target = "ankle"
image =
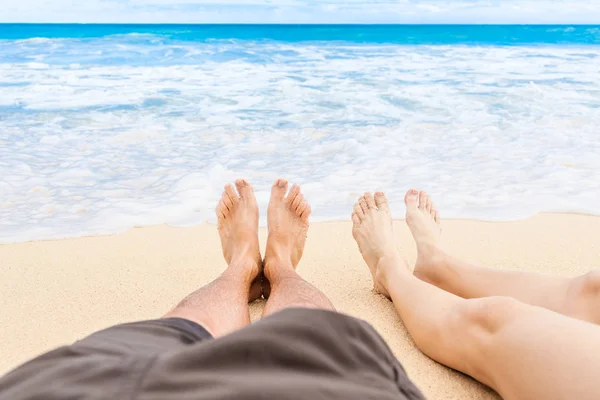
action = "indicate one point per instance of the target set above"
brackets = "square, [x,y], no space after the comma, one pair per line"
[244,270]
[431,264]
[429,250]
[388,266]
[277,268]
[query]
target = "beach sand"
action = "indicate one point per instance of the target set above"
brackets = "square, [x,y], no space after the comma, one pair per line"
[55,292]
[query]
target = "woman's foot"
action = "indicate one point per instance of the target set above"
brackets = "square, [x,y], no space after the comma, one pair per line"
[287,219]
[372,230]
[424,222]
[238,228]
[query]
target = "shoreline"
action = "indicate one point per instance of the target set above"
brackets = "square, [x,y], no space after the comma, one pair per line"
[263,225]
[58,291]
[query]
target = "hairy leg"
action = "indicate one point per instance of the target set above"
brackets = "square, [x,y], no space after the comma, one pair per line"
[288,225]
[521,351]
[575,297]
[222,306]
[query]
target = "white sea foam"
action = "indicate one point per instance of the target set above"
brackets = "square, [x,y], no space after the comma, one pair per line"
[98,138]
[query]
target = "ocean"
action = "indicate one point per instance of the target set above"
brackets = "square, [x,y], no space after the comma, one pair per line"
[107,127]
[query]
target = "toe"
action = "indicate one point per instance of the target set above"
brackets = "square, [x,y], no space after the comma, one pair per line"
[363,204]
[355,219]
[226,200]
[428,204]
[279,189]
[359,211]
[244,188]
[412,198]
[436,216]
[221,209]
[423,200]
[381,201]
[301,207]
[294,191]
[230,191]
[297,201]
[305,212]
[291,197]
[370,200]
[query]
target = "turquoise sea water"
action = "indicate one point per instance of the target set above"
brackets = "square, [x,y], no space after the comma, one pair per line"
[104,127]
[396,34]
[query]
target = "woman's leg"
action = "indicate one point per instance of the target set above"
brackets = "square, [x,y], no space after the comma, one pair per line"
[521,351]
[575,297]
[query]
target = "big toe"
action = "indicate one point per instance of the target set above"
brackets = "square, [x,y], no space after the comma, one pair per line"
[244,188]
[412,198]
[279,189]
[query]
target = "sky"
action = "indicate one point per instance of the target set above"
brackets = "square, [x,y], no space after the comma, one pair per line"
[303,11]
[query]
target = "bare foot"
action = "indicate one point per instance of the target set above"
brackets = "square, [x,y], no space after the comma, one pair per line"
[424,222]
[372,230]
[238,227]
[287,219]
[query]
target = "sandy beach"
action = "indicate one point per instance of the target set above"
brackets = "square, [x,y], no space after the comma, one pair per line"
[55,292]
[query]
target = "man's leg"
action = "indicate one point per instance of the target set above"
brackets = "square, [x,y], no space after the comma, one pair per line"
[575,297]
[222,306]
[288,225]
[522,351]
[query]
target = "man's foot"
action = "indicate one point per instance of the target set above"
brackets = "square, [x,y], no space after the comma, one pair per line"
[238,227]
[287,219]
[424,222]
[372,230]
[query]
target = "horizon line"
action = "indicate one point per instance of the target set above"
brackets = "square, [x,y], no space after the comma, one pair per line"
[306,23]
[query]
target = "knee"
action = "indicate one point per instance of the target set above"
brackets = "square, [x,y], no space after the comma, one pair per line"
[488,315]
[475,326]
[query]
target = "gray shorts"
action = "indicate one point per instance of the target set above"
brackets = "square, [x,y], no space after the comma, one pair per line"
[294,354]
